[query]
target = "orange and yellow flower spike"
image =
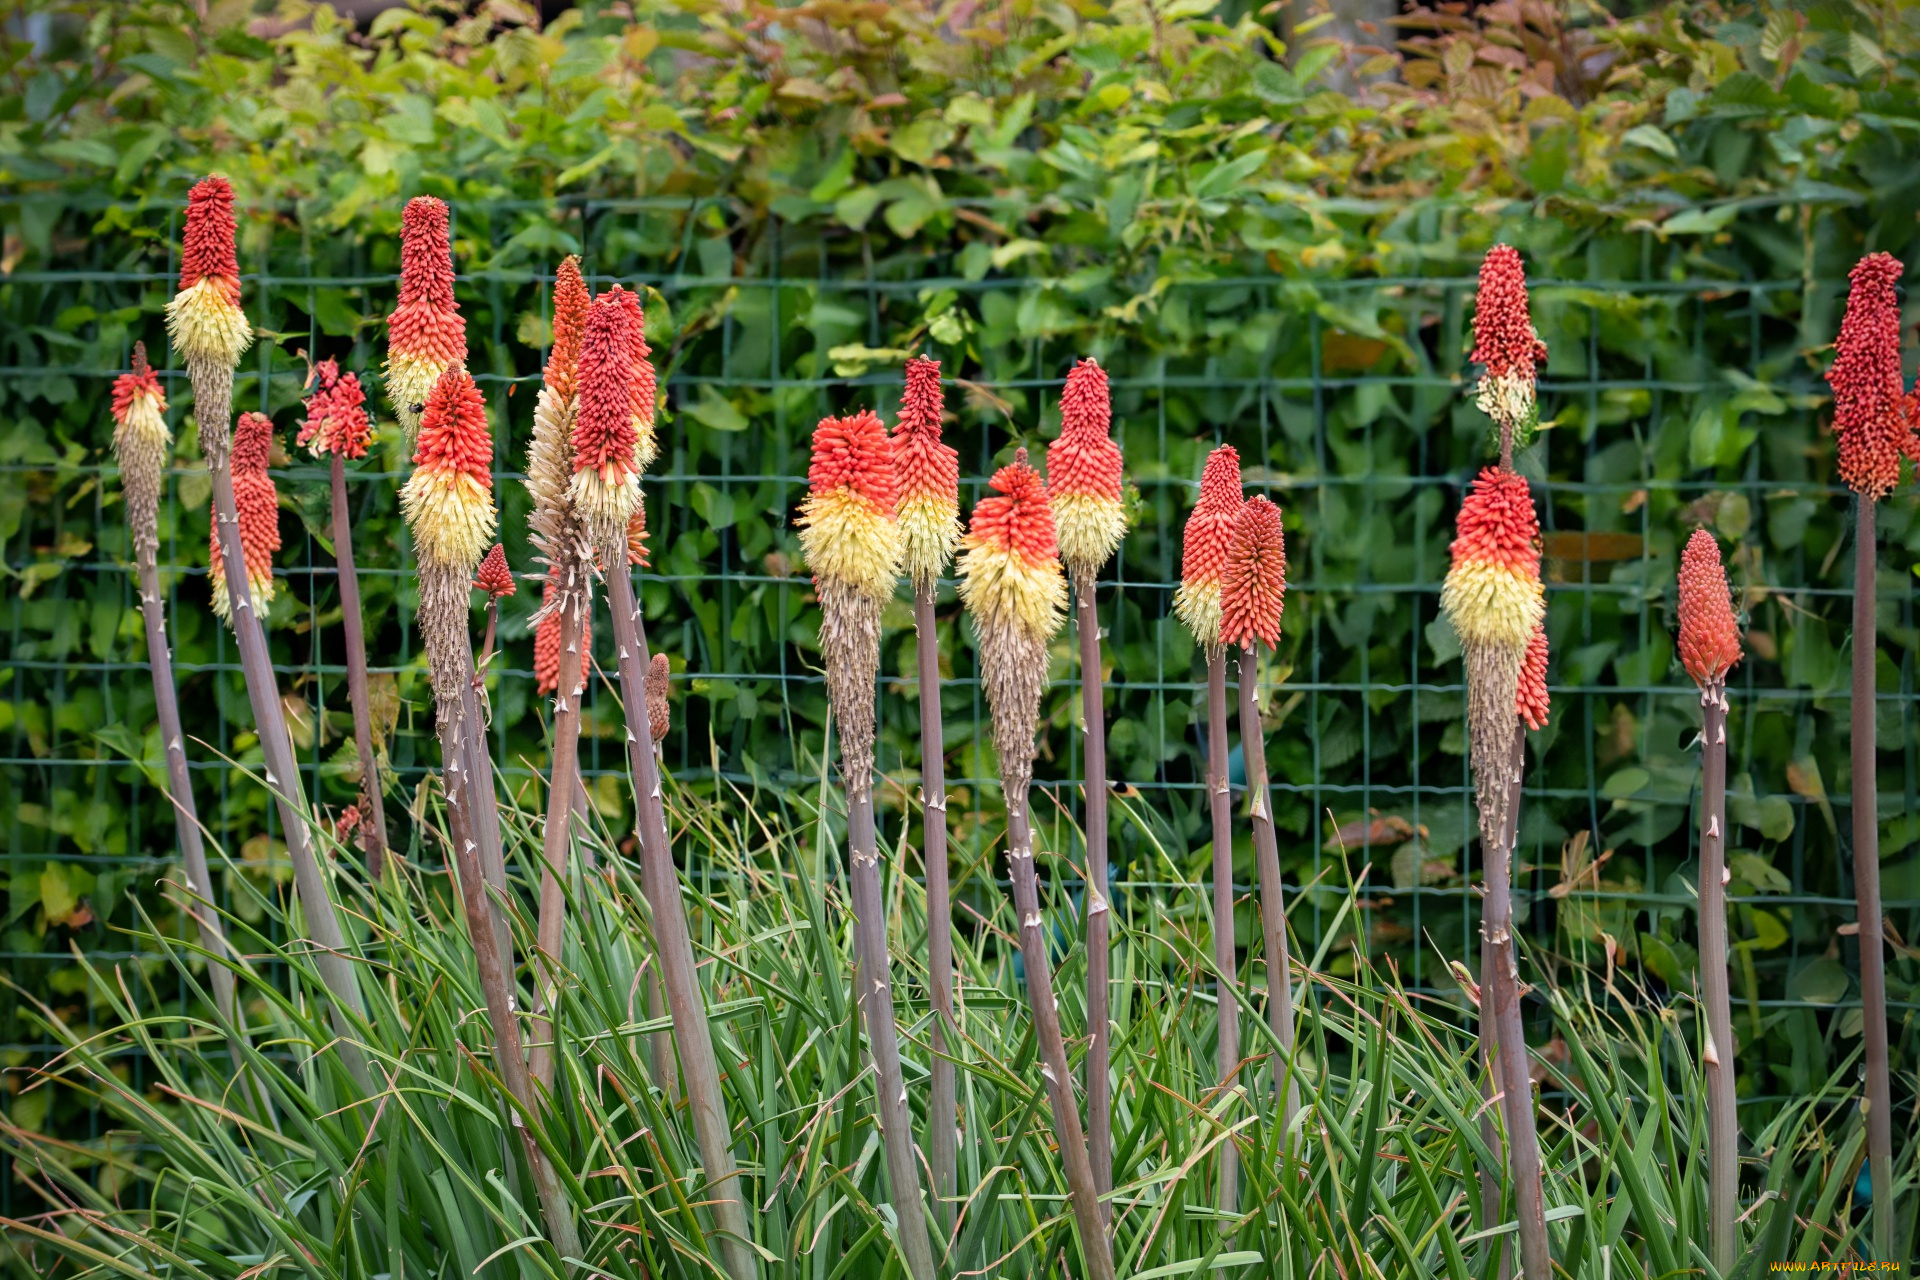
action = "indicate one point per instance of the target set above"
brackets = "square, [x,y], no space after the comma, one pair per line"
[848,531]
[258,506]
[142,444]
[426,335]
[1084,475]
[553,528]
[1010,573]
[448,500]
[927,476]
[1203,554]
[204,319]
[606,470]
[1253,579]
[1493,598]
[646,383]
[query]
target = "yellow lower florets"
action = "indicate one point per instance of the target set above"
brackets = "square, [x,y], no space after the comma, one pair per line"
[998,584]
[929,534]
[1492,605]
[409,380]
[846,538]
[451,515]
[1089,528]
[205,324]
[605,500]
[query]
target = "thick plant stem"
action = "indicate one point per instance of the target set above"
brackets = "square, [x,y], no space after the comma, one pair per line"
[875,987]
[1220,803]
[1273,906]
[1866,882]
[330,956]
[186,820]
[1099,914]
[464,798]
[942,1105]
[373,818]
[661,883]
[1723,1124]
[1067,1133]
[563,801]
[1489,1089]
[1502,980]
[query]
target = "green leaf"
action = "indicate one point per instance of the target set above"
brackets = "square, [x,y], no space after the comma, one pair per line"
[1653,138]
[715,411]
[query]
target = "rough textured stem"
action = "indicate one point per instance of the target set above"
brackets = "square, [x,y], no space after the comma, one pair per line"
[661,883]
[186,820]
[1489,1087]
[1501,988]
[942,1105]
[1273,906]
[563,793]
[1053,1049]
[465,797]
[373,818]
[283,778]
[1723,1124]
[1220,802]
[875,987]
[1099,913]
[1866,881]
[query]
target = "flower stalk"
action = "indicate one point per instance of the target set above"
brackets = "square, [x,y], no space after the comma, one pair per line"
[851,539]
[448,505]
[1084,470]
[142,445]
[927,509]
[210,332]
[605,491]
[561,637]
[1253,589]
[1709,648]
[1873,419]
[337,428]
[1197,602]
[1012,585]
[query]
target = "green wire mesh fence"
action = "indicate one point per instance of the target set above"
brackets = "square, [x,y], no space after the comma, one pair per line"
[1672,401]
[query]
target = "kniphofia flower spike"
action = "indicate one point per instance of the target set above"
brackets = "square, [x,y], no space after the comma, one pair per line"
[1084,470]
[927,478]
[258,506]
[1203,553]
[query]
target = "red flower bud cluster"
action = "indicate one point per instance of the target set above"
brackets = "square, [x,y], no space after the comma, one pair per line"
[494,577]
[1873,413]
[336,420]
[1709,632]
[1253,579]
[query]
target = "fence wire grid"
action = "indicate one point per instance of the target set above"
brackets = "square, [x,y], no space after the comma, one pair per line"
[1670,401]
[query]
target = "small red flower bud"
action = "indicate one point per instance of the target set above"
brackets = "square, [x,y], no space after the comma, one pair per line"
[207,243]
[1709,632]
[1532,700]
[494,577]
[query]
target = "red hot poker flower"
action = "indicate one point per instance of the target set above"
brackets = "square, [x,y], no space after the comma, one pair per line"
[848,532]
[927,476]
[336,419]
[1010,571]
[143,385]
[1203,553]
[1253,580]
[494,577]
[426,335]
[1709,632]
[606,477]
[204,318]
[448,500]
[258,506]
[1532,701]
[1084,472]
[1873,414]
